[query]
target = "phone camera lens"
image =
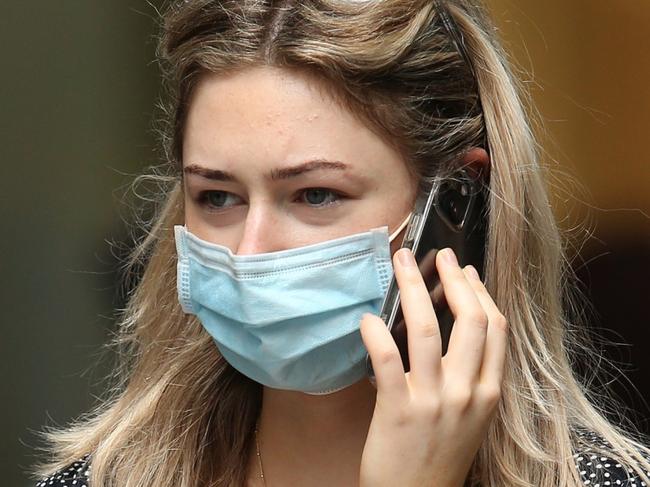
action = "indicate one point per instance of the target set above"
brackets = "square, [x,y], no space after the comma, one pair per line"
[454,209]
[453,201]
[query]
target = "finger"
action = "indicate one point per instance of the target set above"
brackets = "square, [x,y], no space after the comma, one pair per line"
[496,343]
[468,335]
[385,357]
[423,332]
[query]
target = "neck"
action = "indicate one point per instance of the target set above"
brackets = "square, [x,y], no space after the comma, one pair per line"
[301,436]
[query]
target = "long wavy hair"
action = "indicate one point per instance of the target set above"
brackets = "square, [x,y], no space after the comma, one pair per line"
[178,415]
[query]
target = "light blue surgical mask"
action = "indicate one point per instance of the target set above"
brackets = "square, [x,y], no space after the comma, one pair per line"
[288,319]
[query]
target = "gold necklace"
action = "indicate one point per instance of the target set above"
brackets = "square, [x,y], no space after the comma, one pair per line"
[259,455]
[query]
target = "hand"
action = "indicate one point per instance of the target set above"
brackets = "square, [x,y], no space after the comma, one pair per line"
[429,423]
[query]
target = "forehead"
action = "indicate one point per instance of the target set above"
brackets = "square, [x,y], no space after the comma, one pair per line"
[275,117]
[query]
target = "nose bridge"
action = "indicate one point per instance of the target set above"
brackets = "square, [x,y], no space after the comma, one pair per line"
[261,229]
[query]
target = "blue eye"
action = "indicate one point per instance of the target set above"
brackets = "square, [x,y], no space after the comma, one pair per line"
[319,196]
[214,200]
[217,199]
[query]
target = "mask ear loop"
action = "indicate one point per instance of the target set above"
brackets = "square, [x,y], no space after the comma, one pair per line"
[400,228]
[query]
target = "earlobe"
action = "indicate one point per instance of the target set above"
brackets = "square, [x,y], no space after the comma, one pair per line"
[477,163]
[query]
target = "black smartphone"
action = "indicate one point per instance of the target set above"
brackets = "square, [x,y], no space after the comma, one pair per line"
[451,212]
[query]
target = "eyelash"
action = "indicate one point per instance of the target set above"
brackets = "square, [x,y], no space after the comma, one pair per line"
[204,201]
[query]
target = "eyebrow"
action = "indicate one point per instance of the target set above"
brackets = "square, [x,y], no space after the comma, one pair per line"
[274,174]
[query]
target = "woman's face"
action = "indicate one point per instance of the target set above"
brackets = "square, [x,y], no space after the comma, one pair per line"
[271,162]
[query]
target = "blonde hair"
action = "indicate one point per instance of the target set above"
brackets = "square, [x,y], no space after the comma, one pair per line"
[178,414]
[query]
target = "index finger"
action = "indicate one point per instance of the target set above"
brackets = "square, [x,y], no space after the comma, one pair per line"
[385,357]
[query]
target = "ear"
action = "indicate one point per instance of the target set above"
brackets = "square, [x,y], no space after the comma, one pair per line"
[477,163]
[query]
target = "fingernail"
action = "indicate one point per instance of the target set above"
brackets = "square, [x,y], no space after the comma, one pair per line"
[450,256]
[472,272]
[405,257]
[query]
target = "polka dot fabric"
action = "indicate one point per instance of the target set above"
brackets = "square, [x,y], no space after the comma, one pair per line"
[603,471]
[76,475]
[595,470]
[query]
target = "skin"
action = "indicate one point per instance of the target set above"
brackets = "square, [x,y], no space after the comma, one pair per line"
[426,424]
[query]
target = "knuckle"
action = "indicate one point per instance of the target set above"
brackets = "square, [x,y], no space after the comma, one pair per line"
[413,278]
[429,408]
[433,408]
[401,418]
[460,398]
[500,322]
[490,394]
[477,317]
[429,330]
[387,356]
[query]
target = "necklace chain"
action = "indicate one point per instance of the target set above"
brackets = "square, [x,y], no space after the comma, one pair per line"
[259,455]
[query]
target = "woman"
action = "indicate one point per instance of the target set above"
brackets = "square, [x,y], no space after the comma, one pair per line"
[298,129]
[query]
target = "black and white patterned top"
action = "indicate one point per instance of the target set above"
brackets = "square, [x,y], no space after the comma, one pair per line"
[604,471]
[595,470]
[75,475]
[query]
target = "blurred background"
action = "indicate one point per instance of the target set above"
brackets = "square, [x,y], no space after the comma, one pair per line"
[78,92]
